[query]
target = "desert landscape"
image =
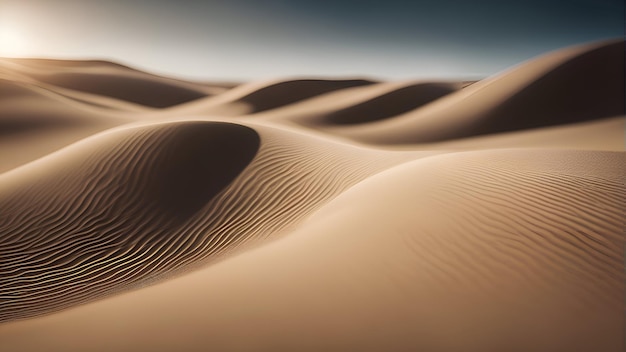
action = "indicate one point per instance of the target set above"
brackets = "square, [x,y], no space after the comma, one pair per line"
[145,213]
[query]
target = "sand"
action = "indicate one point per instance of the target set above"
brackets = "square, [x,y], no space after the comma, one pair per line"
[573,85]
[139,212]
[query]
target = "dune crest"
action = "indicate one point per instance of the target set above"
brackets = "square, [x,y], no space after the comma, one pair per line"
[110,79]
[571,85]
[113,198]
[361,104]
[140,212]
[130,206]
[457,252]
[257,97]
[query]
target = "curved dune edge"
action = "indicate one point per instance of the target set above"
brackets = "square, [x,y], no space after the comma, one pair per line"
[258,97]
[287,92]
[151,93]
[135,205]
[571,85]
[602,135]
[289,231]
[90,218]
[391,104]
[26,107]
[108,79]
[77,98]
[361,104]
[35,121]
[472,251]
[46,64]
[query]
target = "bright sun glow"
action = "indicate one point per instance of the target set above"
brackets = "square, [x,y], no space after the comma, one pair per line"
[11,43]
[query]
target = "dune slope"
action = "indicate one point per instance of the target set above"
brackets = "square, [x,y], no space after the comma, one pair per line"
[391,104]
[483,251]
[313,214]
[257,97]
[361,104]
[35,121]
[109,79]
[570,85]
[131,205]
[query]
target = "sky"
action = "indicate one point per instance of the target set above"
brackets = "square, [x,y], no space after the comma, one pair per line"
[257,39]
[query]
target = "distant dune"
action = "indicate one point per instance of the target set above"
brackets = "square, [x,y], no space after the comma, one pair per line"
[112,80]
[139,212]
[362,104]
[573,85]
[256,97]
[391,104]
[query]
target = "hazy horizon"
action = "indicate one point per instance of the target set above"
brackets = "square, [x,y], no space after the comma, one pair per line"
[244,39]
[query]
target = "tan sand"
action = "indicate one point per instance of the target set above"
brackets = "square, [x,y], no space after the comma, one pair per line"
[35,121]
[112,80]
[361,104]
[313,214]
[261,96]
[130,205]
[571,85]
[475,252]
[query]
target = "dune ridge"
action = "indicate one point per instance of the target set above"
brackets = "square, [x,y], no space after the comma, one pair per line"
[109,205]
[391,104]
[36,120]
[571,85]
[26,107]
[110,79]
[138,198]
[313,214]
[416,268]
[361,104]
[257,97]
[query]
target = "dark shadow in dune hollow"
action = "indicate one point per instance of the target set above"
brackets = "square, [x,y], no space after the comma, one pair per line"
[283,93]
[390,104]
[588,87]
[151,93]
[201,159]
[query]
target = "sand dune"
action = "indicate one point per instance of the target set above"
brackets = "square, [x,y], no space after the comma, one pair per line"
[26,107]
[578,84]
[128,206]
[391,104]
[146,213]
[465,251]
[112,80]
[361,104]
[35,121]
[257,97]
[603,134]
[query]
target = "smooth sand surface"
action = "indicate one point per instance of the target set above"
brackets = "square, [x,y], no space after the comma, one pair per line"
[256,97]
[572,85]
[137,203]
[35,121]
[146,213]
[361,104]
[112,80]
[457,252]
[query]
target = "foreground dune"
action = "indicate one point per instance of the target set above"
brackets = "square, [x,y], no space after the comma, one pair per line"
[128,206]
[475,252]
[145,213]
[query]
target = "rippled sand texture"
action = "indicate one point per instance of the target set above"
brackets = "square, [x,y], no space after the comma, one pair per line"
[139,212]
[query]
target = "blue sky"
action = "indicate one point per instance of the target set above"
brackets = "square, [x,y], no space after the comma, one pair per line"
[254,39]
